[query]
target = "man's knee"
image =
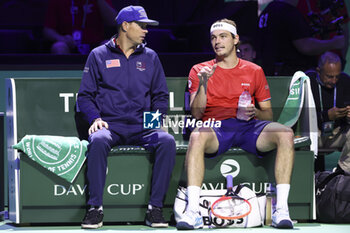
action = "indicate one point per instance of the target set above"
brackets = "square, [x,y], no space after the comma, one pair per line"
[282,135]
[195,137]
[287,134]
[167,139]
[200,137]
[100,137]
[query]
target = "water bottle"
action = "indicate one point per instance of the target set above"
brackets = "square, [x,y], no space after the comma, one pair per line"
[270,203]
[244,100]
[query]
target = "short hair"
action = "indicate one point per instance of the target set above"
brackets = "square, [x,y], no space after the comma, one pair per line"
[226,21]
[328,57]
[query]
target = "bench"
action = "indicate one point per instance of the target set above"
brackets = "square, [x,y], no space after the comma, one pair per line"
[45,106]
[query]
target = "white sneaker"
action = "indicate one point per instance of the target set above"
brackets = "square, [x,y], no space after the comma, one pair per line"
[281,219]
[190,221]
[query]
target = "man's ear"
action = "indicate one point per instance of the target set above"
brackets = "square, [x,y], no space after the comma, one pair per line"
[318,69]
[236,39]
[125,26]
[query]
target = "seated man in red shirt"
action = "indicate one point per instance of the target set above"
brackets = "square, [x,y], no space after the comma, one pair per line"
[215,87]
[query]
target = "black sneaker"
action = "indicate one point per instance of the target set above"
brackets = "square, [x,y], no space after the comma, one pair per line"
[154,218]
[93,219]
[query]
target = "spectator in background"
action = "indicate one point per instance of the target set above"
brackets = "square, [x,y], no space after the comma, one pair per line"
[285,40]
[246,49]
[77,26]
[330,88]
[327,19]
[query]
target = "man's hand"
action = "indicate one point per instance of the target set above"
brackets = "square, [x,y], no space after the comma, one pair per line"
[98,124]
[204,74]
[198,100]
[250,111]
[337,113]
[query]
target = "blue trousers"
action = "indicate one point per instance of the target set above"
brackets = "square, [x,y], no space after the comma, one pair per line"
[160,143]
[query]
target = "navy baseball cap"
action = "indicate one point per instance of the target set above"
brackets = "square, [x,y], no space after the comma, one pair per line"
[134,13]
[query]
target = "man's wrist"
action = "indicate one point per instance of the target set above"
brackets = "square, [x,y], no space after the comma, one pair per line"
[204,84]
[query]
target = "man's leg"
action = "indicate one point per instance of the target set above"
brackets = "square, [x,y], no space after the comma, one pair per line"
[100,144]
[275,135]
[163,147]
[202,141]
[164,162]
[98,149]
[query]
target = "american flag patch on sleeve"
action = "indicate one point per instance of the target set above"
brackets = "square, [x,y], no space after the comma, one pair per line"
[112,63]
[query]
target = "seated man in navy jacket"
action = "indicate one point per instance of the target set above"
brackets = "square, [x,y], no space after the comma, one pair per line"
[122,80]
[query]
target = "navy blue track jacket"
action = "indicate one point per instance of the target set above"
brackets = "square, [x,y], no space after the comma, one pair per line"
[119,89]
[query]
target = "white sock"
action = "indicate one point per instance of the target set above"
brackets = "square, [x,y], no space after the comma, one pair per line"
[193,193]
[95,207]
[282,192]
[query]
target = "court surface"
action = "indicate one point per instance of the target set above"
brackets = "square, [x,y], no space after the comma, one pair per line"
[6,226]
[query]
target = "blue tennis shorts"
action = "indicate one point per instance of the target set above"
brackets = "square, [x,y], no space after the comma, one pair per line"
[239,133]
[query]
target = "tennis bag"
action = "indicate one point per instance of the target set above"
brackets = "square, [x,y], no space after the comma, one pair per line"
[333,196]
[208,197]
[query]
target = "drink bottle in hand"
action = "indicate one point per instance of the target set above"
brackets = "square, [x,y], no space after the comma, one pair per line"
[244,101]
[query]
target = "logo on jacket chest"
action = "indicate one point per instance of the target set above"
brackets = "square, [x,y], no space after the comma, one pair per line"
[112,63]
[141,66]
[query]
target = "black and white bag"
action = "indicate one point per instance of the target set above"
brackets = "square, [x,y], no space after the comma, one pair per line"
[208,197]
